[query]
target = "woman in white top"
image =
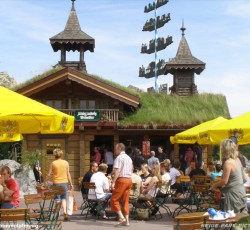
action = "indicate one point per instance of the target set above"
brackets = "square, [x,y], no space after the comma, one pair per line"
[109,160]
[149,192]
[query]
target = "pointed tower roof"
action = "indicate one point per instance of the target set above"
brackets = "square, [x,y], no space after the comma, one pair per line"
[184,58]
[72,36]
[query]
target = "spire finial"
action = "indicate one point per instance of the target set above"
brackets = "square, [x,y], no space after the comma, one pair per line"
[73,4]
[183,28]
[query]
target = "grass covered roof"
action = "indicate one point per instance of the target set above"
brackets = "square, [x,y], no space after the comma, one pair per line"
[179,112]
[161,109]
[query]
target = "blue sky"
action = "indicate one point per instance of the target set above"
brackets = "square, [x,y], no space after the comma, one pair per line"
[218,33]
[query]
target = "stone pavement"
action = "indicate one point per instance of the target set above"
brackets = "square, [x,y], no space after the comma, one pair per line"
[78,222]
[91,223]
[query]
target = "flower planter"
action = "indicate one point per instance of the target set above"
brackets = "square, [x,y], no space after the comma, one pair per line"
[42,189]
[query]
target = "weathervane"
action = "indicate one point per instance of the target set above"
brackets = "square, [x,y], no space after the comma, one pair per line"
[155,68]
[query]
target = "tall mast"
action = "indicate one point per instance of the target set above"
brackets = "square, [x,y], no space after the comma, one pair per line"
[156,54]
[155,68]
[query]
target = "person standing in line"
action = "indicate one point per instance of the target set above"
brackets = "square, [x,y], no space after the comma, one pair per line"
[161,155]
[61,177]
[97,156]
[109,160]
[121,185]
[152,160]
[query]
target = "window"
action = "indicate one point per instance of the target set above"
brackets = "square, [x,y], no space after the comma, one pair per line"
[91,104]
[57,104]
[83,104]
[87,104]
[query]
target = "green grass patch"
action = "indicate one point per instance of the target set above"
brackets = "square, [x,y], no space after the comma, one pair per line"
[54,70]
[162,109]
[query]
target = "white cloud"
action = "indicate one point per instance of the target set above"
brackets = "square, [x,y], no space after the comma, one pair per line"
[239,8]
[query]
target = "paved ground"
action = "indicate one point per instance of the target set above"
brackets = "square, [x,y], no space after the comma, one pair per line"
[91,223]
[79,222]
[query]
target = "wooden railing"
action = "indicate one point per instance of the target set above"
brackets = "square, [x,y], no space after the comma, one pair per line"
[105,114]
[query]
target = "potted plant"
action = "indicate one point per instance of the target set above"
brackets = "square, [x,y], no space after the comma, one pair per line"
[43,187]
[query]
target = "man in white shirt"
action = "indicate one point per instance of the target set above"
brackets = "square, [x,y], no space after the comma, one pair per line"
[122,184]
[174,173]
[101,192]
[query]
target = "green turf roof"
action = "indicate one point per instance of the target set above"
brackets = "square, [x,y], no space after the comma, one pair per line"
[162,109]
[175,111]
[54,70]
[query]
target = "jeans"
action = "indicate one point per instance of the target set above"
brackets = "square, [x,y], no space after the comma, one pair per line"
[63,196]
[7,205]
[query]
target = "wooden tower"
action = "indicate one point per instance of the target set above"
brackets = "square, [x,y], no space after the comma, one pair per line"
[72,38]
[183,67]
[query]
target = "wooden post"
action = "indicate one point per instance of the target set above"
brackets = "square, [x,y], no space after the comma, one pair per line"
[116,140]
[176,152]
[87,140]
[82,148]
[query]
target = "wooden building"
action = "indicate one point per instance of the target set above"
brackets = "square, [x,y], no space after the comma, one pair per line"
[183,67]
[107,113]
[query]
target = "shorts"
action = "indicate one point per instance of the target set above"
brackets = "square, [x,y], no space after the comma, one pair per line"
[63,196]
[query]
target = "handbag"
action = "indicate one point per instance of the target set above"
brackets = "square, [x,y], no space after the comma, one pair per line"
[142,213]
[75,208]
[70,202]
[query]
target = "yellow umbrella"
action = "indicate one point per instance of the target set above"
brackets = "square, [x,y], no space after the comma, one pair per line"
[238,126]
[11,138]
[192,135]
[22,115]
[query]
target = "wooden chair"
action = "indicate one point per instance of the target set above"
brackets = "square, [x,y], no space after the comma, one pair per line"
[91,203]
[200,180]
[32,201]
[57,190]
[46,206]
[14,215]
[53,222]
[204,198]
[190,222]
[163,200]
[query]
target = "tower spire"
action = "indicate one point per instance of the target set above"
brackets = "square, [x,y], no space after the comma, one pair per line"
[73,5]
[183,28]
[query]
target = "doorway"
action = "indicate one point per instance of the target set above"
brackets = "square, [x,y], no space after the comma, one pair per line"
[102,142]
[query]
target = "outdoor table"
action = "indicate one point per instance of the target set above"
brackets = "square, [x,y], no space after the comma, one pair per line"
[214,223]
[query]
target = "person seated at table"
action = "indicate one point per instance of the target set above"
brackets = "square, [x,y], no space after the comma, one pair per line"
[101,192]
[164,168]
[11,195]
[137,185]
[218,172]
[86,178]
[146,175]
[198,171]
[174,175]
[210,168]
[152,188]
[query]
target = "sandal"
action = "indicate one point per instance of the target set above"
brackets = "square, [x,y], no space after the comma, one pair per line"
[122,222]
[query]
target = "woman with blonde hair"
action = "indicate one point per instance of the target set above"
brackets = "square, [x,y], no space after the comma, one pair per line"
[146,175]
[150,192]
[231,183]
[61,177]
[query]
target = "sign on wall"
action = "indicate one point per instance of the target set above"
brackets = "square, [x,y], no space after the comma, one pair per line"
[146,148]
[87,115]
